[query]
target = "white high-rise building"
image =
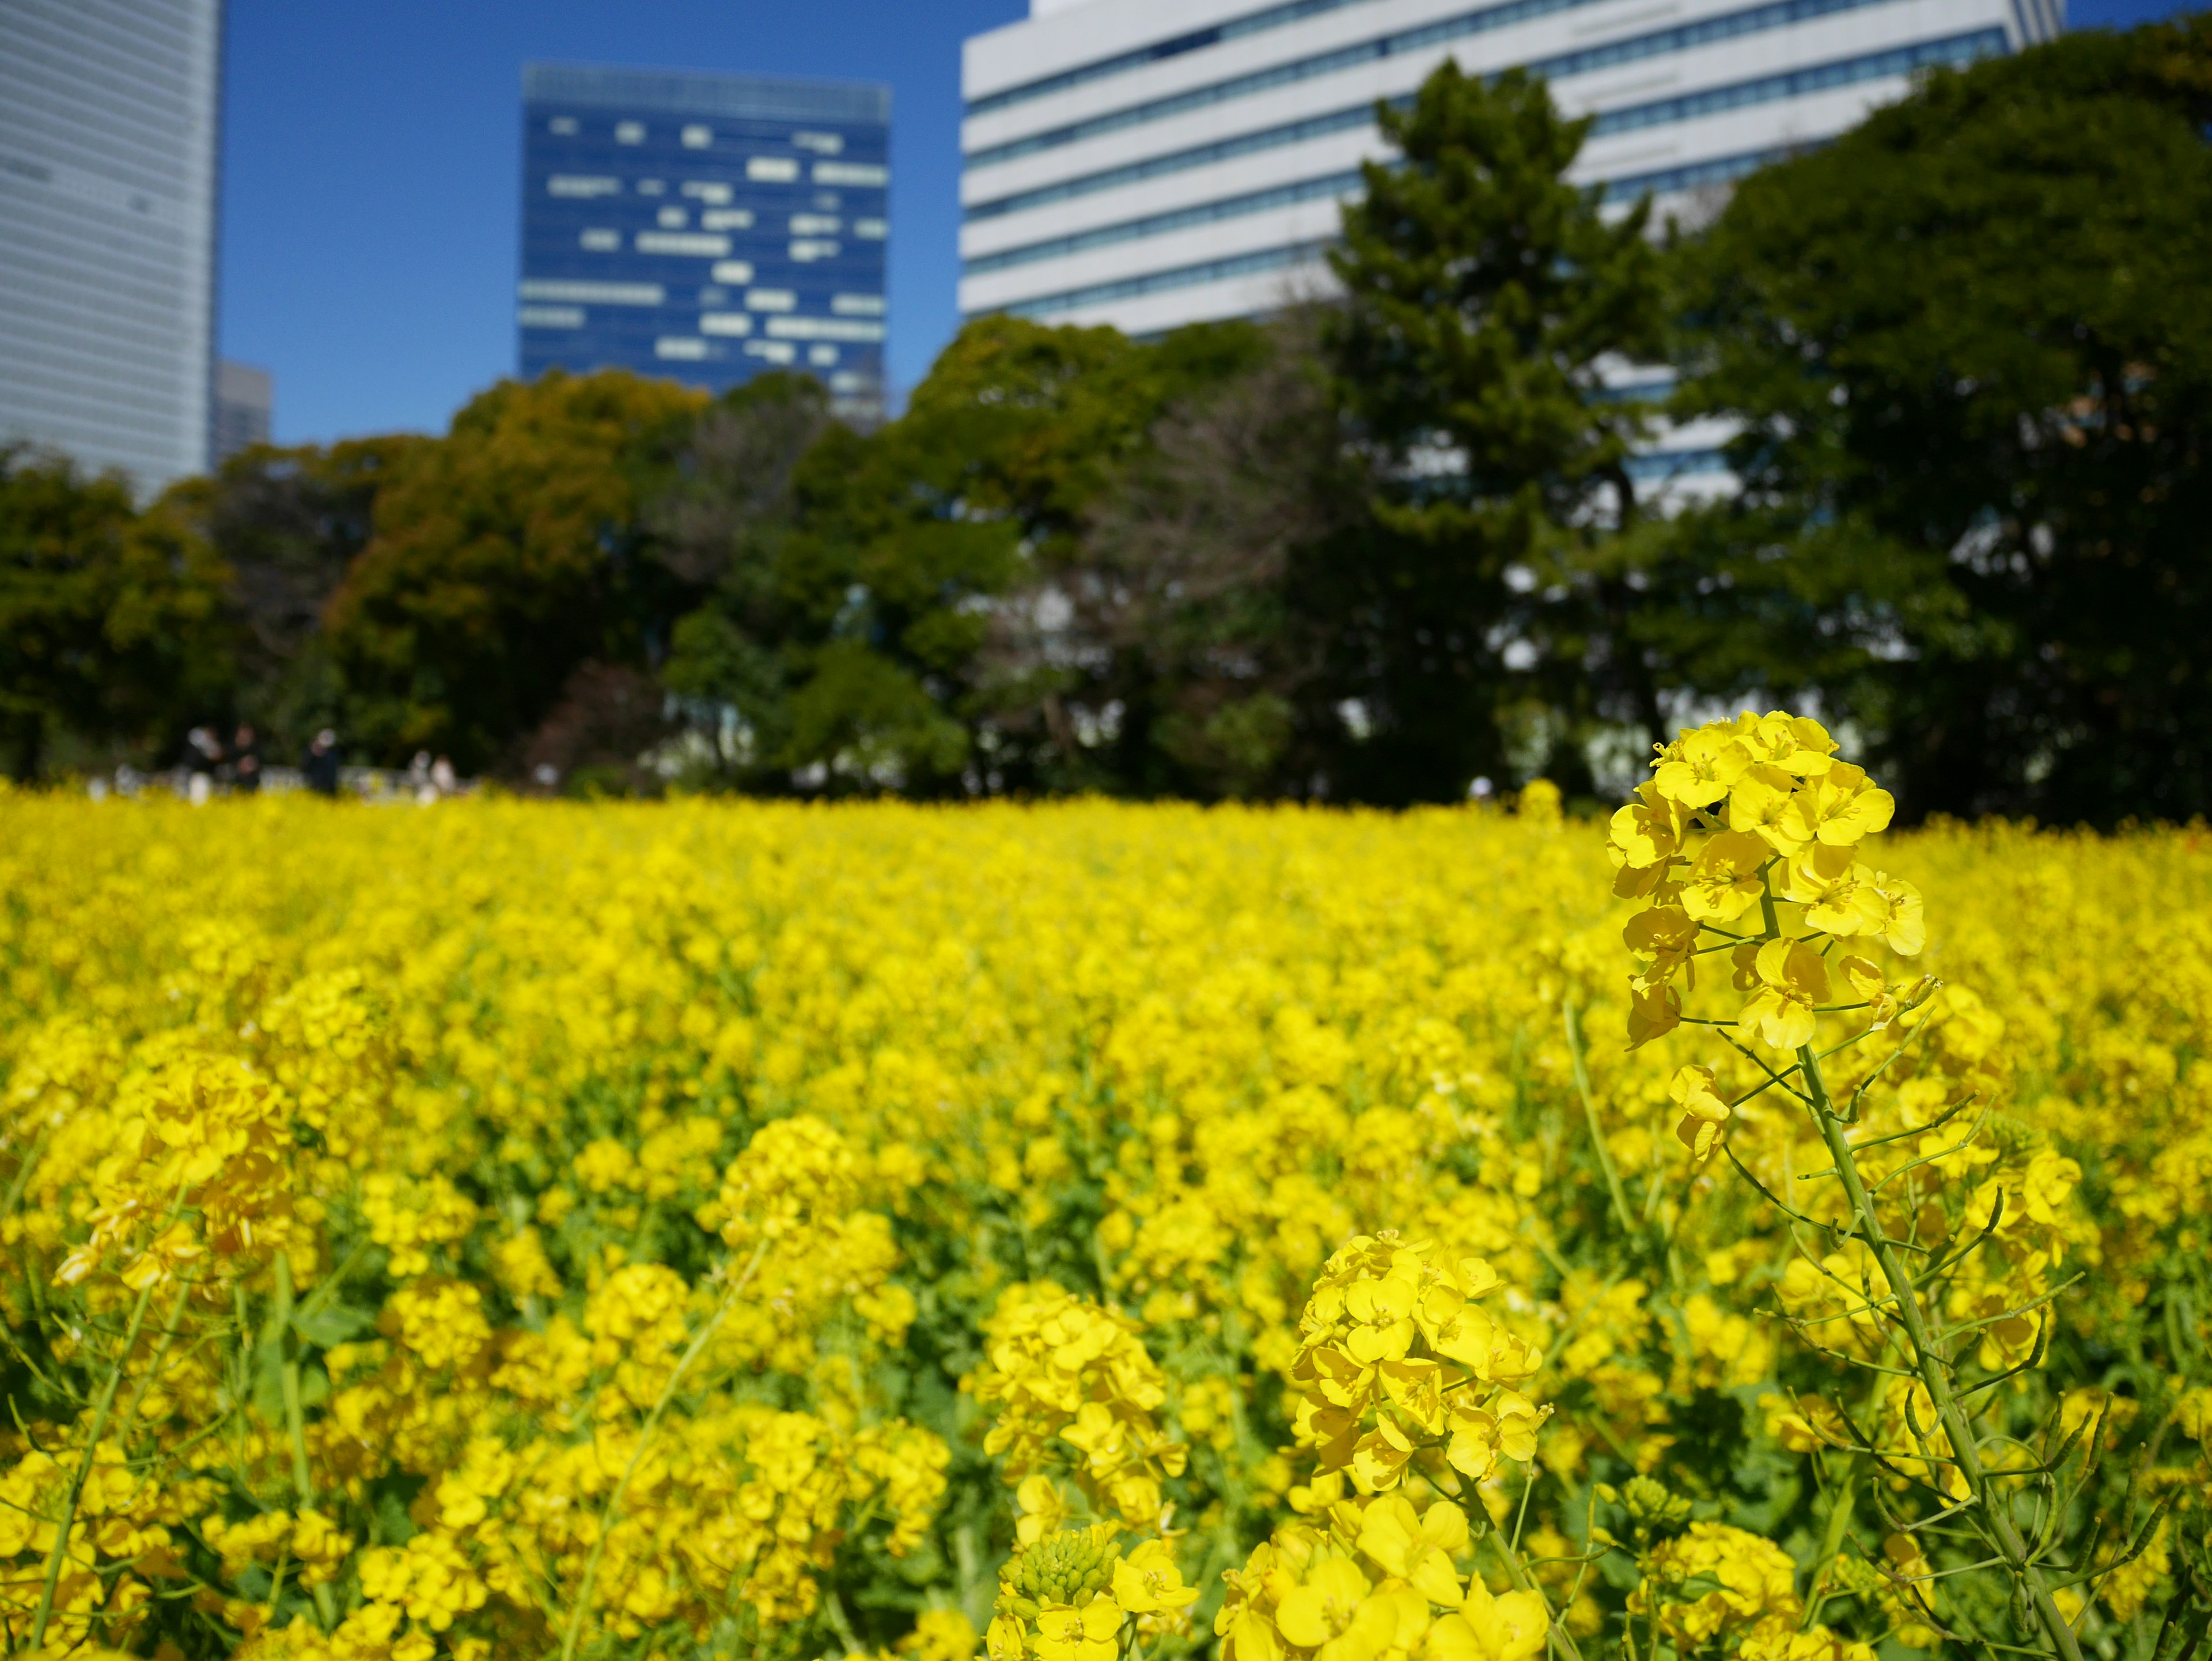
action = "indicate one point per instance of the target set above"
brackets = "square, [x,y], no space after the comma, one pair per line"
[1149,163]
[109,122]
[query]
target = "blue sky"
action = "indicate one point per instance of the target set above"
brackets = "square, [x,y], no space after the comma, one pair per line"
[370,157]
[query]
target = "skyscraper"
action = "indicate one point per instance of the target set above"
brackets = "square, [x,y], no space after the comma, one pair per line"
[705,227]
[244,407]
[109,112]
[1148,163]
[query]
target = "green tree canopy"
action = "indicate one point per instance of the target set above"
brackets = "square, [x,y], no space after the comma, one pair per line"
[112,624]
[901,609]
[505,556]
[1485,297]
[1971,345]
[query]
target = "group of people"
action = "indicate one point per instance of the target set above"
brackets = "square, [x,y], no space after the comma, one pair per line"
[208,766]
[242,768]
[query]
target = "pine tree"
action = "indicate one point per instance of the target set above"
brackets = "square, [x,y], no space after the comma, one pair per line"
[1485,294]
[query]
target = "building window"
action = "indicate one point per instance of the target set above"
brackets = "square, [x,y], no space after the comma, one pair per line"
[697,243]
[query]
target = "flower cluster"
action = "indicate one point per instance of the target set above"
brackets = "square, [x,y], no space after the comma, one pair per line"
[1407,1387]
[1402,1369]
[1073,1595]
[1063,1371]
[1736,815]
[1714,1585]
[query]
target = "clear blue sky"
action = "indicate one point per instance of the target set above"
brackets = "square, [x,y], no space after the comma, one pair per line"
[370,156]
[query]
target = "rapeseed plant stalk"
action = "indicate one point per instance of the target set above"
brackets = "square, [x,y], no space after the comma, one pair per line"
[1748,840]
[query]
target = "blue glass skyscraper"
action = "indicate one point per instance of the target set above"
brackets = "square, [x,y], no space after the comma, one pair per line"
[705,227]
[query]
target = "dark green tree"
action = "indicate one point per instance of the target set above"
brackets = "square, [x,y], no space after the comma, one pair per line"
[287,524]
[1970,345]
[113,630]
[1191,567]
[505,557]
[909,607]
[1485,298]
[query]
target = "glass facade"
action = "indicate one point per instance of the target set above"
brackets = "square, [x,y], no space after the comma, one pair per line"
[108,119]
[705,228]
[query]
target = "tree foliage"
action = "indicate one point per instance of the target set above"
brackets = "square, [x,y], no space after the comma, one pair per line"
[1971,345]
[111,621]
[1485,298]
[504,556]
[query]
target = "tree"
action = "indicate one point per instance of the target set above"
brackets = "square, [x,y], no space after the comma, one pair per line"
[112,625]
[504,558]
[1193,565]
[1484,297]
[1971,346]
[287,525]
[904,613]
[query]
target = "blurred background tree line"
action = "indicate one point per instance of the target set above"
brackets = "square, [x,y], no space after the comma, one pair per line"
[1374,550]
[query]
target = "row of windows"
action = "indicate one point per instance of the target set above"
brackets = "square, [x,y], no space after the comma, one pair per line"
[1658,466]
[759,169]
[1343,120]
[1159,224]
[712,240]
[1955,50]
[1182,276]
[1778,14]
[852,330]
[692,134]
[656,293]
[1958,50]
[1256,22]
[689,96]
[691,349]
[1721,170]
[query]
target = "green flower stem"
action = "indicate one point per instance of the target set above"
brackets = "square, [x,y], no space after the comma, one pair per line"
[1934,1367]
[612,1509]
[67,1520]
[1831,1542]
[303,1481]
[1931,1362]
[1589,1110]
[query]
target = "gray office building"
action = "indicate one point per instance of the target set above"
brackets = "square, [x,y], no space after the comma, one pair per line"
[109,112]
[245,406]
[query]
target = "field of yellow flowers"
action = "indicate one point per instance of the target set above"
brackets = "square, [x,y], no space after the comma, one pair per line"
[1082,1231]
